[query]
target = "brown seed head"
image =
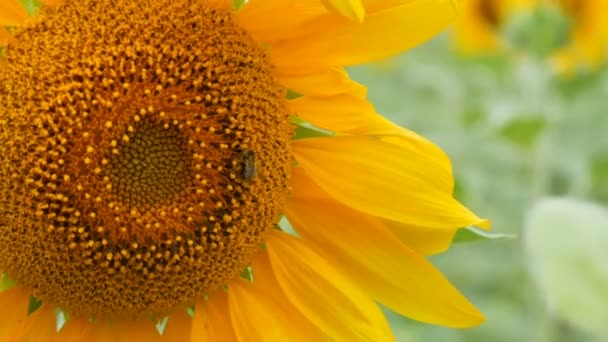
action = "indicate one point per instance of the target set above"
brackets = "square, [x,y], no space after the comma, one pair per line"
[122,123]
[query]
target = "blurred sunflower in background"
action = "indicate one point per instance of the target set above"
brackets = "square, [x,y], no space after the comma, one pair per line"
[479,24]
[569,33]
[588,36]
[181,170]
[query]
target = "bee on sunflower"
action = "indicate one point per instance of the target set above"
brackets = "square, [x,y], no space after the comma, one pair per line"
[158,183]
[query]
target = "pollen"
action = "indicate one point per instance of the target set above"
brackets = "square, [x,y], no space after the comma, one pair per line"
[123,187]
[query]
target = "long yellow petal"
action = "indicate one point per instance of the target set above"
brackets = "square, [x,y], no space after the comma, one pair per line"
[325,82]
[4,36]
[352,9]
[334,42]
[102,330]
[424,240]
[352,114]
[342,112]
[50,3]
[256,317]
[383,180]
[12,13]
[323,295]
[272,20]
[378,262]
[211,321]
[13,311]
[178,327]
[267,286]
[75,329]
[40,326]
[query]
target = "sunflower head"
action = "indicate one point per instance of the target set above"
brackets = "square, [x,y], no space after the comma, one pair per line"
[149,154]
[129,141]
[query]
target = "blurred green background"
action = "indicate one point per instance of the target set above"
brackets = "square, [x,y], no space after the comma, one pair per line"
[516,133]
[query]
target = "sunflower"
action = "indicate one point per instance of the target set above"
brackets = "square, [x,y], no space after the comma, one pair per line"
[589,34]
[181,170]
[479,23]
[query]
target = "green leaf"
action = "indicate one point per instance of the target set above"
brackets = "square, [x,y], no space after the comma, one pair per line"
[470,234]
[566,242]
[582,81]
[523,131]
[472,116]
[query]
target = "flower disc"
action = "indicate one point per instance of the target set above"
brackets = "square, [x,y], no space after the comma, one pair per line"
[145,153]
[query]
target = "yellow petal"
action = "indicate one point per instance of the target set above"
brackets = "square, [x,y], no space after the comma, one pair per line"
[40,325]
[267,286]
[211,321]
[178,327]
[347,113]
[75,329]
[424,240]
[378,262]
[103,330]
[50,3]
[384,180]
[4,36]
[13,312]
[384,33]
[255,315]
[12,13]
[271,20]
[351,114]
[326,82]
[323,295]
[352,9]
[343,112]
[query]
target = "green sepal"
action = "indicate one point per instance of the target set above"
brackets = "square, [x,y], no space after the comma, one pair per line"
[161,325]
[6,282]
[31,6]
[470,234]
[247,274]
[305,129]
[61,317]
[237,4]
[286,227]
[34,305]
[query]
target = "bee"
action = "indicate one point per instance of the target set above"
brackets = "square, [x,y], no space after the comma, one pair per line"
[247,160]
